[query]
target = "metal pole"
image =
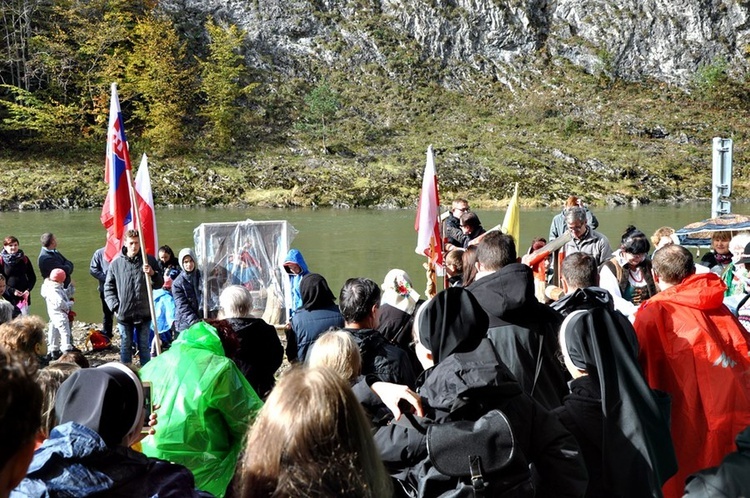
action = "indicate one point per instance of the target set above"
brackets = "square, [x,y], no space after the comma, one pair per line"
[204,265]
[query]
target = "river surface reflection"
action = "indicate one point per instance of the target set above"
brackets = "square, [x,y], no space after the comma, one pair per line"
[336,243]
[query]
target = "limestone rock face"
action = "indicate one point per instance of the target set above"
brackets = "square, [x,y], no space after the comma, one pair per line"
[666,40]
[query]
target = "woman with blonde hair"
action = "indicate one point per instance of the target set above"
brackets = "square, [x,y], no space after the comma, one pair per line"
[663,236]
[311,439]
[338,351]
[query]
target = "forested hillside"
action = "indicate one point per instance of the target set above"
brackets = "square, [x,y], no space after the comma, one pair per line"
[322,102]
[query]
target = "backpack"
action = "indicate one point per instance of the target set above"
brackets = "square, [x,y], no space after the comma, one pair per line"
[481,455]
[96,341]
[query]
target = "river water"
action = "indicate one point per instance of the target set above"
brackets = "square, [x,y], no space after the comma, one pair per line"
[336,243]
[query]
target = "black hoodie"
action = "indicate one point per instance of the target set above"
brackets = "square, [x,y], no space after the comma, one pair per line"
[517,324]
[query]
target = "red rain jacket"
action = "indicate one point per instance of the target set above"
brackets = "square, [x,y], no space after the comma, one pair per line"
[692,347]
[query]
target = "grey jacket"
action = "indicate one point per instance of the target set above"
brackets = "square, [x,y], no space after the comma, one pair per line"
[125,288]
[593,243]
[98,267]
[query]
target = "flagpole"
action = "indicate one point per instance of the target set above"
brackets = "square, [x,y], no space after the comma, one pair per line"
[136,213]
[442,248]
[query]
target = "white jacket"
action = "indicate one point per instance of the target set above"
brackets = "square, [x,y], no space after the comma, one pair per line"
[56,296]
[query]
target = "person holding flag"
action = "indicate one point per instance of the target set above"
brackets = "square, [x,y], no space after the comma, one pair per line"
[117,216]
[126,291]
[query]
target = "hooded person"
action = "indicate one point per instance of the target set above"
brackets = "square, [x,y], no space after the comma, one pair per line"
[620,423]
[398,304]
[209,405]
[100,413]
[692,347]
[296,268]
[187,292]
[452,322]
[59,305]
[523,330]
[318,314]
[465,380]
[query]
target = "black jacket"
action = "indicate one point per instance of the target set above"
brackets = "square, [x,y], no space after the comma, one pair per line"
[19,276]
[478,377]
[187,301]
[581,414]
[125,287]
[728,480]
[452,232]
[52,259]
[382,358]
[260,353]
[517,324]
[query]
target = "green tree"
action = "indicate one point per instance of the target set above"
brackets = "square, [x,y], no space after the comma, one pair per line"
[322,106]
[49,120]
[70,56]
[159,82]
[711,81]
[224,78]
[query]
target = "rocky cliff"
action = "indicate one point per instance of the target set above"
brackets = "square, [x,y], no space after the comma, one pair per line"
[665,40]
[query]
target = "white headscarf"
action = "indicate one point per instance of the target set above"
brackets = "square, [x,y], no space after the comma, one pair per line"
[398,291]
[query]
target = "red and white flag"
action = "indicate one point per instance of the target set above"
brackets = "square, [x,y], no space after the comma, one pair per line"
[145,199]
[427,223]
[116,207]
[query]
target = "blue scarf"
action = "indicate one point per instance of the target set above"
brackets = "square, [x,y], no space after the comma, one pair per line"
[12,259]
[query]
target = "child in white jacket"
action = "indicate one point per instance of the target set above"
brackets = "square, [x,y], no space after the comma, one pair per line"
[59,303]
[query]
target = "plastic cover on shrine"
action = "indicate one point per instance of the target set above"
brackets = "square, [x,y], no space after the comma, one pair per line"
[248,253]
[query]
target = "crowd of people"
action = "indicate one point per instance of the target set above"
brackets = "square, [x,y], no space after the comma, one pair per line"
[630,380]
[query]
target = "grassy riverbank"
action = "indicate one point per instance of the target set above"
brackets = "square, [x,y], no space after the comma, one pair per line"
[560,131]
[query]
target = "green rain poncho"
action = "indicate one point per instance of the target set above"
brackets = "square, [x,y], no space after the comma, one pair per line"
[206,407]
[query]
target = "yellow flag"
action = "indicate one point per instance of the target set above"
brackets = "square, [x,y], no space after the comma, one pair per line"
[512,220]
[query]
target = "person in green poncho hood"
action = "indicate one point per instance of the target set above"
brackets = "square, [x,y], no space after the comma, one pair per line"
[206,404]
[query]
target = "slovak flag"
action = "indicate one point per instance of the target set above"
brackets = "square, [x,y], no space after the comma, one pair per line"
[116,209]
[427,223]
[145,199]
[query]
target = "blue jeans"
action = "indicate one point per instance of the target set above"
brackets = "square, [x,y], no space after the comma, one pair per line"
[141,331]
